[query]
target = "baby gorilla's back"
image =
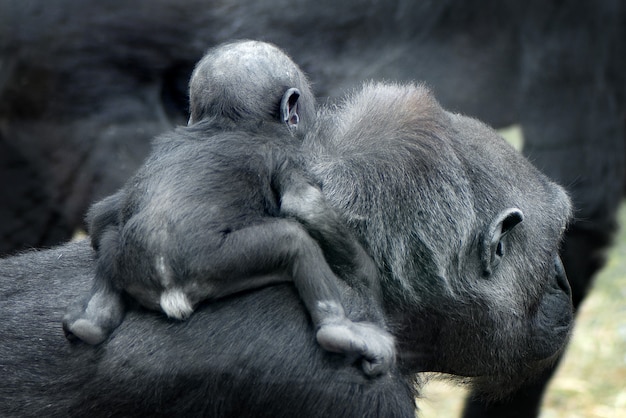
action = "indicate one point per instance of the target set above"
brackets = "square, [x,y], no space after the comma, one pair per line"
[196,189]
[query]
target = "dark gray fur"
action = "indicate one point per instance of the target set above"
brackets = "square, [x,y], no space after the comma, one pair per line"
[206,215]
[423,189]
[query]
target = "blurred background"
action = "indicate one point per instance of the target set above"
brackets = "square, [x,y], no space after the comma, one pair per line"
[85,84]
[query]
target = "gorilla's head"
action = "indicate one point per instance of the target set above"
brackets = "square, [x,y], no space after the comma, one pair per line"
[465,230]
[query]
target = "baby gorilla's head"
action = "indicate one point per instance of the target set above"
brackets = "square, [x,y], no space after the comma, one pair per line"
[250,81]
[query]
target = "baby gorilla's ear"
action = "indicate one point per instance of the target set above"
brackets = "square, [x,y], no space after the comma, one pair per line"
[289,107]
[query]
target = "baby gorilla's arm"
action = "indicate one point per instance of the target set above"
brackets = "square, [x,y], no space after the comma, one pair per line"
[304,201]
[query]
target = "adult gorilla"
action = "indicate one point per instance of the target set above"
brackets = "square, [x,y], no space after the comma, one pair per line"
[466,233]
[83,85]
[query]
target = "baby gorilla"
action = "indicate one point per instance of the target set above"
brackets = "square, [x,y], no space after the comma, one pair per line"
[223,205]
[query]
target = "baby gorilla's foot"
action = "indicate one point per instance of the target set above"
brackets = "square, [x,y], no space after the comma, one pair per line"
[93,320]
[374,344]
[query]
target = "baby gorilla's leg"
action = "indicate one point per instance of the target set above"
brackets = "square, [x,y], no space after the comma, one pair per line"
[92,320]
[341,249]
[95,316]
[284,245]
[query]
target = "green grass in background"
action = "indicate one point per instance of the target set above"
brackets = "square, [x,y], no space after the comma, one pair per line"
[591,382]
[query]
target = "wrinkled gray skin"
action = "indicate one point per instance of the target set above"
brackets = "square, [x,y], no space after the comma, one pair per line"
[213,212]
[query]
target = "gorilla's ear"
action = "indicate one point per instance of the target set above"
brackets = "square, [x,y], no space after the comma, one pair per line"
[289,107]
[493,247]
